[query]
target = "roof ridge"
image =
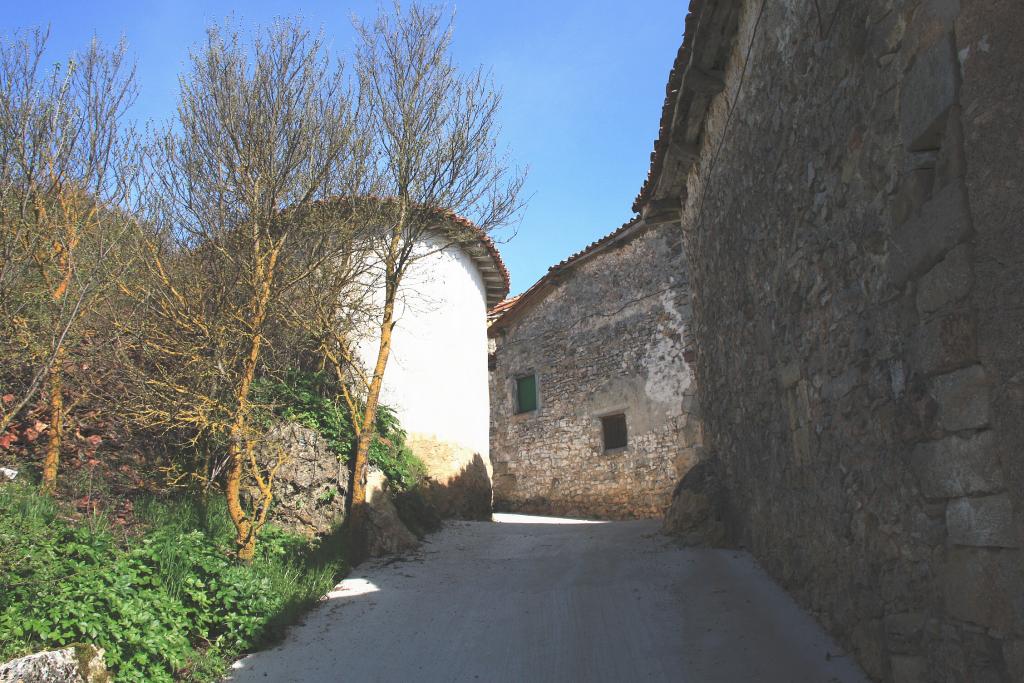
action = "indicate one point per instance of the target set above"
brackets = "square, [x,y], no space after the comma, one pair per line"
[503,307]
[594,245]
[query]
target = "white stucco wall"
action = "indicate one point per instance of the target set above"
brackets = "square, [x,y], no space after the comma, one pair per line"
[436,377]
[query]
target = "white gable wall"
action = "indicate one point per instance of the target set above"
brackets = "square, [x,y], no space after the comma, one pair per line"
[437,374]
[436,377]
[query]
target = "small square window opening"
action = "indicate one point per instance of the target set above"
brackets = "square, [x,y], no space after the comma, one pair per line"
[526,393]
[613,427]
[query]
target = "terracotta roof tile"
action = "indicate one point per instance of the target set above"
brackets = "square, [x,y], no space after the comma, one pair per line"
[668,109]
[594,245]
[489,246]
[487,258]
[499,308]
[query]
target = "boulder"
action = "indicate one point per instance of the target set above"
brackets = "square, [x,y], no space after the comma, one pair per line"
[417,512]
[385,533]
[73,664]
[311,487]
[697,511]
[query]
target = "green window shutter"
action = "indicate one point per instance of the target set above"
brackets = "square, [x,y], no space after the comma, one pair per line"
[526,394]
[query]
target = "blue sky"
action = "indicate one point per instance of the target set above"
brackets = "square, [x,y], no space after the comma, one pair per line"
[583,84]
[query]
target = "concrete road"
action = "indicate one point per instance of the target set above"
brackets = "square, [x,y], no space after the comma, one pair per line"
[537,599]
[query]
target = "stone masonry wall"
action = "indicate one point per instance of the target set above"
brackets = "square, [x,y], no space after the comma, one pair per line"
[853,229]
[608,339]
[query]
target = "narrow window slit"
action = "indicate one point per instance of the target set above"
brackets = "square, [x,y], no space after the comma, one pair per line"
[613,428]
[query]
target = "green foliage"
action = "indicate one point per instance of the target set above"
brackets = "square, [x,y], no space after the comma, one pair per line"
[307,399]
[68,583]
[389,452]
[311,399]
[327,496]
[172,602]
[168,604]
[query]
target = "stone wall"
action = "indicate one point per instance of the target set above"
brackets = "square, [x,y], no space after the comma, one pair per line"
[852,223]
[603,333]
[458,480]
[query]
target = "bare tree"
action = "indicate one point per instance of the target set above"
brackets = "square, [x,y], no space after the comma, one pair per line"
[435,135]
[68,171]
[266,128]
[337,302]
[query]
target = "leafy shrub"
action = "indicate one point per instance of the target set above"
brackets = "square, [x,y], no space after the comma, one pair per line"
[168,603]
[172,602]
[69,583]
[389,452]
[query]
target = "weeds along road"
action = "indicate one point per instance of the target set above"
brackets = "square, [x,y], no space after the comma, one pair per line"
[537,599]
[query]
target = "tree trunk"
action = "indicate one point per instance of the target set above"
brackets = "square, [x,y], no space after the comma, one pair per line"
[56,431]
[366,430]
[245,537]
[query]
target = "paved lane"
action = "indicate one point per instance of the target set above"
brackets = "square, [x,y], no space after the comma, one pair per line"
[536,599]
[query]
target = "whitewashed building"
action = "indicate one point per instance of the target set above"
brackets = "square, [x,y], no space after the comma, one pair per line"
[436,378]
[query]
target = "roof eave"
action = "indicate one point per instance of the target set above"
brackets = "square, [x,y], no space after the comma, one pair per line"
[696,78]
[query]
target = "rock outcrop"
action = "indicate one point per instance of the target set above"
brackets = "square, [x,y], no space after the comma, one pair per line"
[697,512]
[311,486]
[73,664]
[386,534]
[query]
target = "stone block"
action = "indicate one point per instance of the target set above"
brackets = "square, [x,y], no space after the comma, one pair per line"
[951,164]
[932,21]
[957,466]
[928,91]
[914,190]
[868,640]
[923,240]
[909,669]
[962,398]
[946,283]
[1013,655]
[385,532]
[840,386]
[902,631]
[943,11]
[803,445]
[696,513]
[897,378]
[982,585]
[789,374]
[985,521]
[943,344]
[312,486]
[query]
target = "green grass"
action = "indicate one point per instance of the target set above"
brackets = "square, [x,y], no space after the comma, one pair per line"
[167,604]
